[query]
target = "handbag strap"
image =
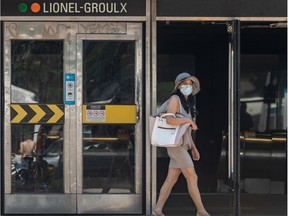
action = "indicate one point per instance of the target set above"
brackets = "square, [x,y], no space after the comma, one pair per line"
[168,114]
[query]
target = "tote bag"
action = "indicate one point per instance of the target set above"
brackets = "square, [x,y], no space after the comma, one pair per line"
[165,135]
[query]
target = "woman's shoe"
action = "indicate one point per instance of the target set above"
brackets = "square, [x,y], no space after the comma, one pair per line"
[155,213]
[203,214]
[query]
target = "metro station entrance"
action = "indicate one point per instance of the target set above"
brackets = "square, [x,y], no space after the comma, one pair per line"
[242,113]
[73,118]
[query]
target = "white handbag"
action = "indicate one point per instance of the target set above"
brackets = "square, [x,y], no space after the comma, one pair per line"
[165,135]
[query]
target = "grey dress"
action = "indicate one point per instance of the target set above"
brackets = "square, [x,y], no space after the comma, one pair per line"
[179,156]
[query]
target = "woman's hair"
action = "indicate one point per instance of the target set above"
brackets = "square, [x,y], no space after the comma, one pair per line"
[189,105]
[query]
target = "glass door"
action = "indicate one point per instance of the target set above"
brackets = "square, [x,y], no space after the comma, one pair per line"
[110,154]
[73,118]
[263,118]
[36,141]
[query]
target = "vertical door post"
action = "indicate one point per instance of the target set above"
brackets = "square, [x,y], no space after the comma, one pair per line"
[233,29]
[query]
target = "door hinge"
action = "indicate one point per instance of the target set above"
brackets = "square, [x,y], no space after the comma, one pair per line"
[229,28]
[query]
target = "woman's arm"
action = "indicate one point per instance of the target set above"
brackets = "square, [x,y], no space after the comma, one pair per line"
[174,107]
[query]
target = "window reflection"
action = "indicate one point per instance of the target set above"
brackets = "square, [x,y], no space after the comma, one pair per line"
[108,159]
[263,93]
[37,71]
[109,72]
[37,158]
[263,123]
[108,150]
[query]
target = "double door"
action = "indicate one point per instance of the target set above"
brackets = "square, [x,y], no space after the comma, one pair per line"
[73,139]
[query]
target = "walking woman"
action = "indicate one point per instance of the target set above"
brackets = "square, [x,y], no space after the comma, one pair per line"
[182,101]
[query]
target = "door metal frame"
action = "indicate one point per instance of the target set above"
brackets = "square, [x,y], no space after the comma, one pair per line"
[67,202]
[233,29]
[128,203]
[61,202]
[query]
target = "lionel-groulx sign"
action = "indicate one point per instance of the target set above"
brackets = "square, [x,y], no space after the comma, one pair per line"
[73,8]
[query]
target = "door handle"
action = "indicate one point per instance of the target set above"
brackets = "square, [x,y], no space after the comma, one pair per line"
[138,113]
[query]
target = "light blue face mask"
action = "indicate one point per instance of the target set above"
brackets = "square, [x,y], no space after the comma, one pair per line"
[186,90]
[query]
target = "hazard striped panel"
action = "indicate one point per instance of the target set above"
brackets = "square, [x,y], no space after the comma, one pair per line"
[37,114]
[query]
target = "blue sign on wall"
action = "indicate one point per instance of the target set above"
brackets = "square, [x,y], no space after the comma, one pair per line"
[69,85]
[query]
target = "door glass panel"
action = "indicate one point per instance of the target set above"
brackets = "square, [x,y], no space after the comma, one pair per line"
[37,166]
[108,149]
[109,72]
[108,158]
[37,71]
[263,120]
[263,92]
[37,150]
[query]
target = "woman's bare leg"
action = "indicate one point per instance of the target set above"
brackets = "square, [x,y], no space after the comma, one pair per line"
[192,184]
[171,179]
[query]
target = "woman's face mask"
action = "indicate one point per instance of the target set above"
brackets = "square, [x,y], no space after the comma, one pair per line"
[186,90]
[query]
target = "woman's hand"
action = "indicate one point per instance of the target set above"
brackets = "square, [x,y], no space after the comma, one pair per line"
[195,154]
[193,125]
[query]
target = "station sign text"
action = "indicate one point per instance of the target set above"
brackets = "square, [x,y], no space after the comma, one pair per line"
[73,7]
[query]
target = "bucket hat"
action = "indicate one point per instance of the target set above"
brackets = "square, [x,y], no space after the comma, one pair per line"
[183,76]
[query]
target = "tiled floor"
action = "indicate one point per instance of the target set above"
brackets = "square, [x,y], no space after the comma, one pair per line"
[221,205]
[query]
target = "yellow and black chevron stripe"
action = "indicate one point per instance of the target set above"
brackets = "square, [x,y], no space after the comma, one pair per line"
[37,114]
